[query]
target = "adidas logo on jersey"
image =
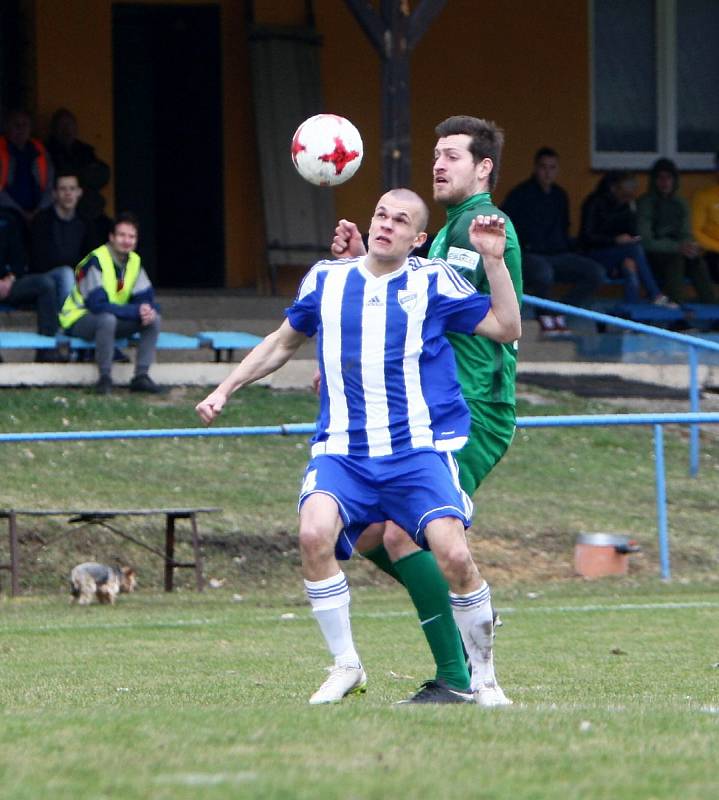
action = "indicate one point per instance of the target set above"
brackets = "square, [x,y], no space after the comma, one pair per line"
[375,300]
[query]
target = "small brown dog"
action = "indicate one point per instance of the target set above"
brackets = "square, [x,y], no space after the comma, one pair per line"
[98,580]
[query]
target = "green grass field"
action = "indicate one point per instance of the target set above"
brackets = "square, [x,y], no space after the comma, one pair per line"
[615,682]
[615,690]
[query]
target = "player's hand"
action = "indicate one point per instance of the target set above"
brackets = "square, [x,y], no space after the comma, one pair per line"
[488,235]
[690,249]
[211,407]
[347,241]
[316,381]
[6,285]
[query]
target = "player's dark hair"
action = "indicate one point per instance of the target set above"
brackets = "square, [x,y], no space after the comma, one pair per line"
[66,174]
[487,140]
[126,218]
[545,152]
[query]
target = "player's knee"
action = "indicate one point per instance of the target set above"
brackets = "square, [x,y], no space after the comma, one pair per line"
[457,564]
[316,539]
[397,542]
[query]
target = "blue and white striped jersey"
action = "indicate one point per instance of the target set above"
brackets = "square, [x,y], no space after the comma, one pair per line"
[388,372]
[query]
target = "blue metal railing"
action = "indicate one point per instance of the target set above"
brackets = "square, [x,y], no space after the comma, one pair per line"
[577,420]
[692,343]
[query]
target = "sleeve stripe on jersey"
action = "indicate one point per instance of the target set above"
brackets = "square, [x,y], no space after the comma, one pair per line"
[461,284]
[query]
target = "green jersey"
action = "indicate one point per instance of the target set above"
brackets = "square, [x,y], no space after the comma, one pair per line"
[486,370]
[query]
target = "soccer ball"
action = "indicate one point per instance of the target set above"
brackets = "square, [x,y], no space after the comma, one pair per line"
[327,150]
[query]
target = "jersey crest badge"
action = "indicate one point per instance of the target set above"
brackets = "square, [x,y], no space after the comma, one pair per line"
[407,300]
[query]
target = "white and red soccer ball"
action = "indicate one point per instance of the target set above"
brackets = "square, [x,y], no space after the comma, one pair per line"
[327,150]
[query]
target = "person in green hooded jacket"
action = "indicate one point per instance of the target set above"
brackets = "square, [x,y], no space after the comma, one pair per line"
[664,223]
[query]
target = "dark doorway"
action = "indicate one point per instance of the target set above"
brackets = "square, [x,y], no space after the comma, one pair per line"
[168,138]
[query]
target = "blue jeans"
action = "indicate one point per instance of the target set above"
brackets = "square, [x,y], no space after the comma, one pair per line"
[613,259]
[541,270]
[64,279]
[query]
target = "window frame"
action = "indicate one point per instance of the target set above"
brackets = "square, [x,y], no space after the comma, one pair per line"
[666,123]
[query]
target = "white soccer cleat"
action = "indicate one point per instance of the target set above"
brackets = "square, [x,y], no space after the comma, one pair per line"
[491,696]
[341,681]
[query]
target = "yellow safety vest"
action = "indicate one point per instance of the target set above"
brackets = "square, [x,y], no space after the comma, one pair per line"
[74,306]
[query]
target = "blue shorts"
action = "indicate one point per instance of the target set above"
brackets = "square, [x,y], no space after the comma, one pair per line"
[410,488]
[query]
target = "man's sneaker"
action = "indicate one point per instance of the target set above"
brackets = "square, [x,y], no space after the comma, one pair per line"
[437,691]
[548,327]
[144,383]
[560,323]
[491,696]
[664,302]
[496,620]
[104,385]
[342,680]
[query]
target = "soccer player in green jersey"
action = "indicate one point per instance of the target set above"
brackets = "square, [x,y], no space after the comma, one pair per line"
[466,167]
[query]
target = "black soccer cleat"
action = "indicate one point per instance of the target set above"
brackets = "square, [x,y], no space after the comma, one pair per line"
[437,691]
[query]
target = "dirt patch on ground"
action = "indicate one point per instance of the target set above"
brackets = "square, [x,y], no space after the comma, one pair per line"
[504,560]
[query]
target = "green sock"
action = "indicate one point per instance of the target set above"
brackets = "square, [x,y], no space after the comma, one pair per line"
[380,558]
[428,589]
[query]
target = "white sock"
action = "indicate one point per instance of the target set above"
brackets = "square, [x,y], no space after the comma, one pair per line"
[330,601]
[473,614]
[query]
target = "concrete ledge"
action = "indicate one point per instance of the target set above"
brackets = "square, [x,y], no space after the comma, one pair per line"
[295,374]
[298,374]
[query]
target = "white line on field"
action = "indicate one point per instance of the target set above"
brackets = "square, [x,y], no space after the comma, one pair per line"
[304,616]
[205,778]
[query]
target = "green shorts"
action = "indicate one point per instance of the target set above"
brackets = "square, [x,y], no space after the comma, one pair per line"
[491,433]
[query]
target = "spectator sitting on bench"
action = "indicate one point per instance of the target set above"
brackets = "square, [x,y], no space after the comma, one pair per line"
[25,169]
[705,222]
[18,290]
[113,297]
[60,237]
[665,228]
[72,156]
[539,209]
[609,235]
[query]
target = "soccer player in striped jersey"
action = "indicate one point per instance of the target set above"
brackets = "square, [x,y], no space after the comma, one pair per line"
[391,412]
[465,170]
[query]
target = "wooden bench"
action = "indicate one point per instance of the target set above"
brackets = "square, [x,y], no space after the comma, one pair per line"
[219,341]
[165,341]
[103,518]
[228,341]
[22,340]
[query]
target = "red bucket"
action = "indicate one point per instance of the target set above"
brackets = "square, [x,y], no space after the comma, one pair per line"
[599,554]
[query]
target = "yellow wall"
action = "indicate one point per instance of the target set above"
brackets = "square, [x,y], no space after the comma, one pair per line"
[523,65]
[73,42]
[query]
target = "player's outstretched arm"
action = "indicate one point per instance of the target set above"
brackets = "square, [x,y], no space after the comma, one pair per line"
[270,354]
[503,322]
[347,242]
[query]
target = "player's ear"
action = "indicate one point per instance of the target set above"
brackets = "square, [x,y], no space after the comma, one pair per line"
[420,239]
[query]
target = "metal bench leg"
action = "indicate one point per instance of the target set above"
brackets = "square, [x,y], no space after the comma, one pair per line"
[199,577]
[14,556]
[169,552]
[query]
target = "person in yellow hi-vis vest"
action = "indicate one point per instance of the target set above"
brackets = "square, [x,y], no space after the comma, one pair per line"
[113,298]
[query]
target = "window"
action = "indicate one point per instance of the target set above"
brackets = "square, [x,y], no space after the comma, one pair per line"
[654,90]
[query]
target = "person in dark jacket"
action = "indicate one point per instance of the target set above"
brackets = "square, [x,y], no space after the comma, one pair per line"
[609,235]
[539,209]
[665,228]
[18,289]
[26,169]
[60,237]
